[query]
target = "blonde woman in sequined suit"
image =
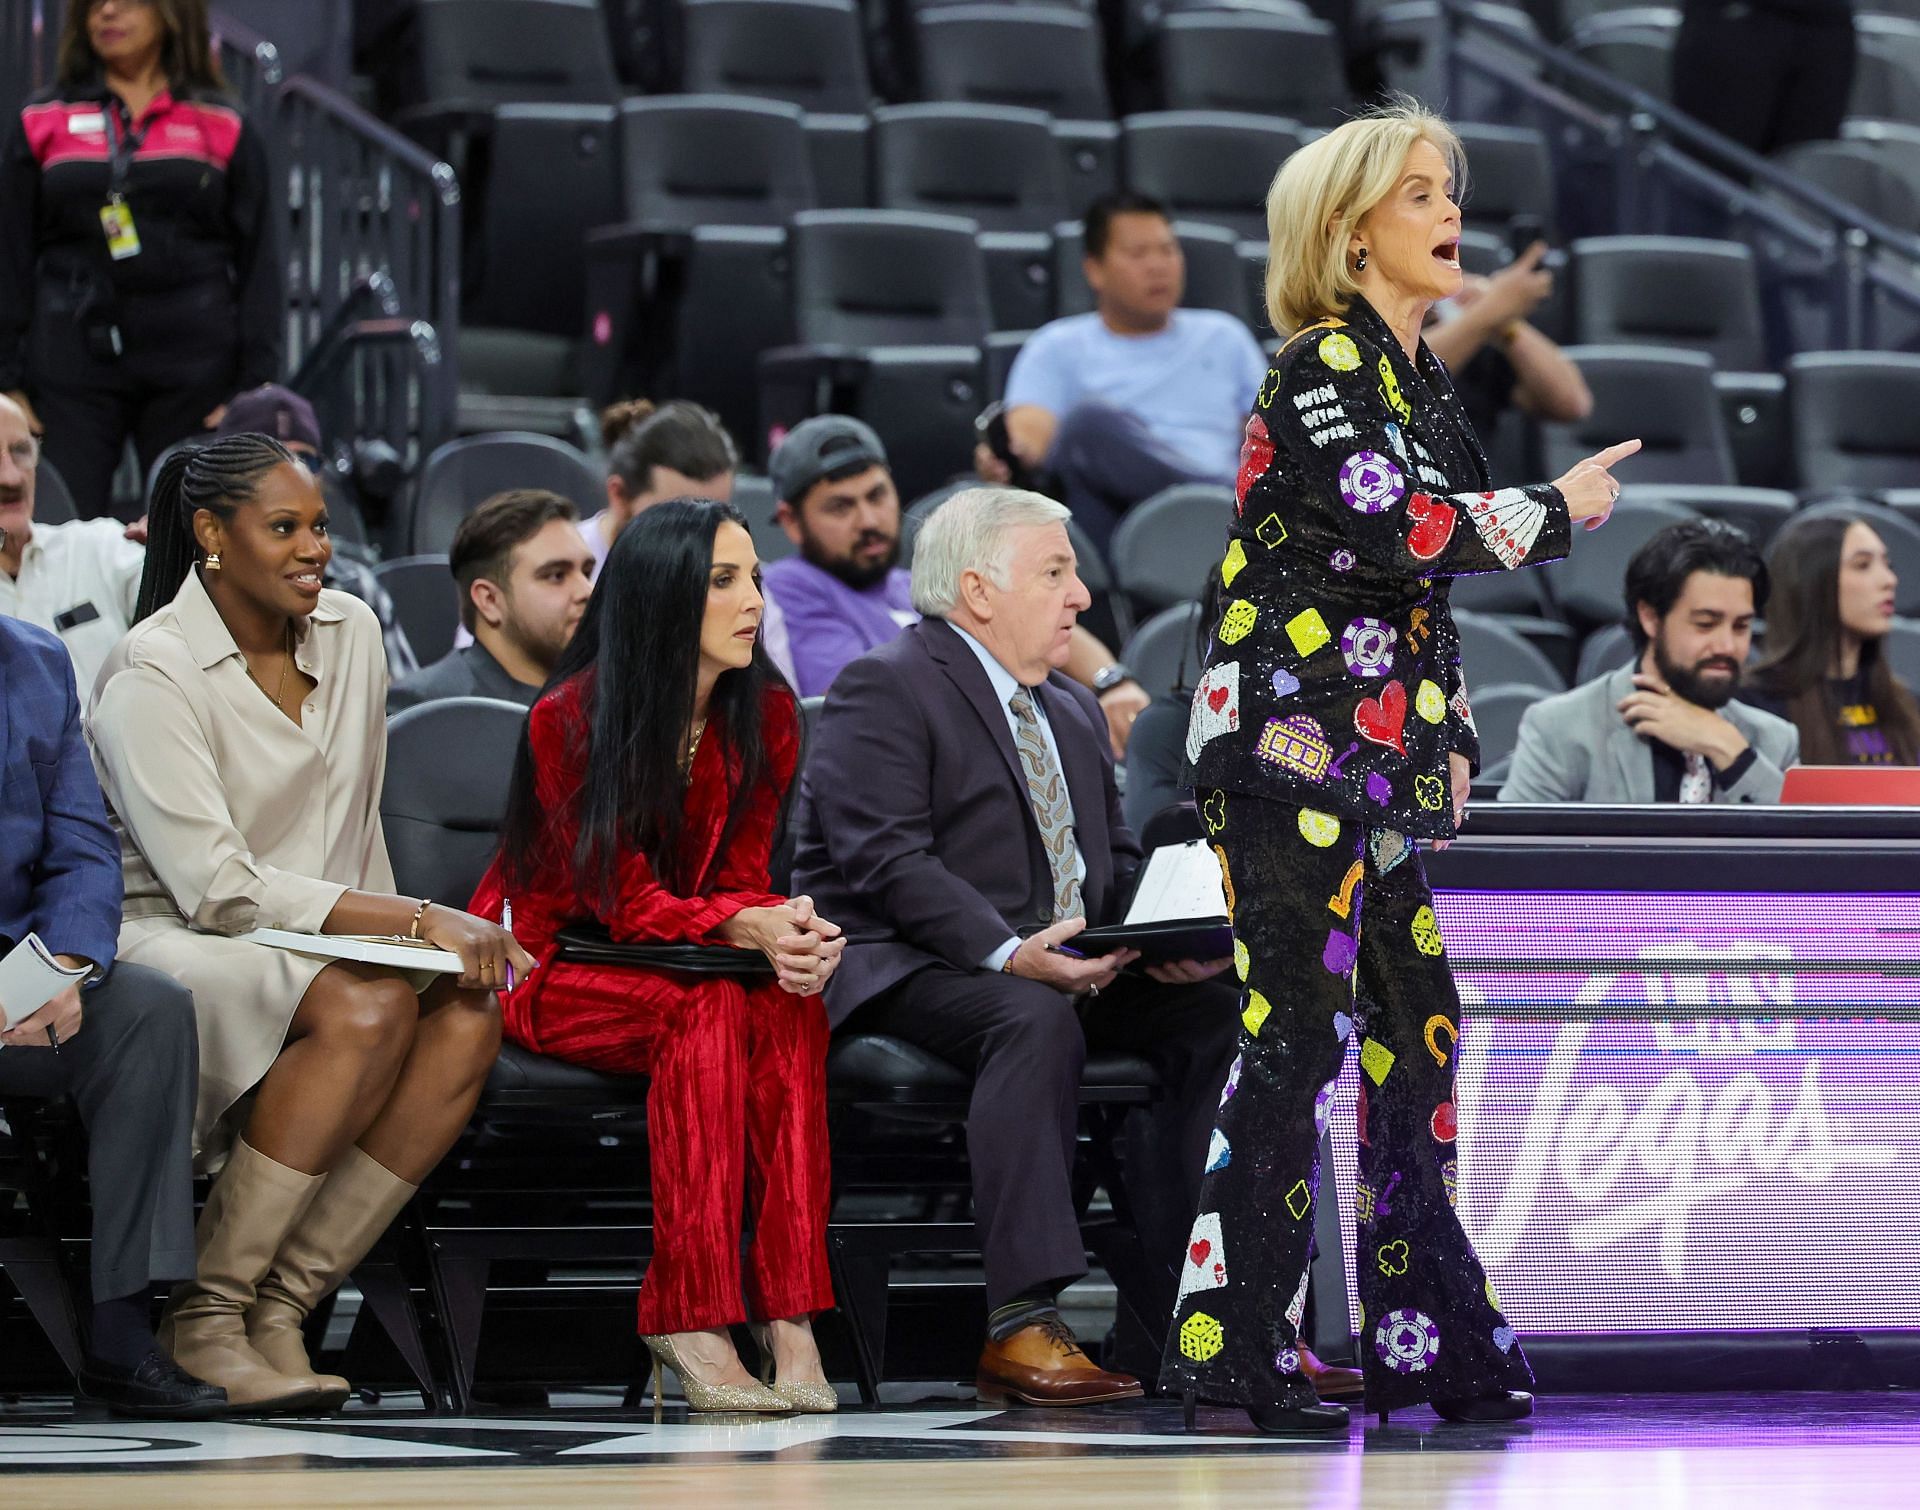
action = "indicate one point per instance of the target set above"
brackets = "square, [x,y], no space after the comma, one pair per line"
[1330,733]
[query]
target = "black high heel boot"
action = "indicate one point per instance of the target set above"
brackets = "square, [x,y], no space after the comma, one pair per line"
[1507,1405]
[1308,1420]
[1276,1420]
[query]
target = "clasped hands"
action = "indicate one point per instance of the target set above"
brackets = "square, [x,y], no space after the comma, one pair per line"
[803,946]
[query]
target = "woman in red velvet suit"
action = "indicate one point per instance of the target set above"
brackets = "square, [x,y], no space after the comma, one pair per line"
[650,784]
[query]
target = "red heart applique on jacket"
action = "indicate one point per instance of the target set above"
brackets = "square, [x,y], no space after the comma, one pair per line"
[1381,718]
[1217,699]
[1433,523]
[1256,455]
[1199,1251]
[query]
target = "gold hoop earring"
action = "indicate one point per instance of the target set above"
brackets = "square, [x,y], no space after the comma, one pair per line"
[1360,262]
[213,561]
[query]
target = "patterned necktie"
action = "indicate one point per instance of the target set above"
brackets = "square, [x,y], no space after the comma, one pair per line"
[1696,782]
[1047,790]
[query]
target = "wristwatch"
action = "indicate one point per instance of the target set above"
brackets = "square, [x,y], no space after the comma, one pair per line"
[1109,677]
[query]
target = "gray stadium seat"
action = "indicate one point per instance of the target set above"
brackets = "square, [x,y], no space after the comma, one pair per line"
[1860,175]
[52,499]
[809,53]
[1162,653]
[554,167]
[1509,174]
[890,312]
[1633,43]
[1856,419]
[1902,537]
[1406,36]
[1247,61]
[1208,165]
[1902,651]
[1886,72]
[449,764]
[1588,584]
[1492,651]
[425,601]
[1606,650]
[1497,709]
[690,160]
[1215,276]
[1037,57]
[1506,592]
[994,163]
[1673,291]
[753,496]
[464,473]
[1757,511]
[1167,546]
[477,54]
[1666,398]
[1894,143]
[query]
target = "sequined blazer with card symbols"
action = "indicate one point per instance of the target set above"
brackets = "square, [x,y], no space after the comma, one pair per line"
[1334,677]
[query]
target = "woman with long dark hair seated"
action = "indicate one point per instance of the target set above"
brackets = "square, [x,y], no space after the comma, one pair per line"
[1825,668]
[651,781]
[240,734]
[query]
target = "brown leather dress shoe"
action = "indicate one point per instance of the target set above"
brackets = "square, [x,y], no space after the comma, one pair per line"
[1042,1364]
[1329,1381]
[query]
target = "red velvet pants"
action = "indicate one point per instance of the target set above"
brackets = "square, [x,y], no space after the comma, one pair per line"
[724,1058]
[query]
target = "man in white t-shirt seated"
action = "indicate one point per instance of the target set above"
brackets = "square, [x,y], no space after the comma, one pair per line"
[79,579]
[1138,395]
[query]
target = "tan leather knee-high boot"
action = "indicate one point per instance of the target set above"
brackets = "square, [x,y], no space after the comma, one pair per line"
[254,1205]
[359,1200]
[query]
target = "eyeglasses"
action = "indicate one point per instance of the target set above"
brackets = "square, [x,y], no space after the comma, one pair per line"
[25,454]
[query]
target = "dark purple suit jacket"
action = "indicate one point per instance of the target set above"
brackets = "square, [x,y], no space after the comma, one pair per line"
[916,834]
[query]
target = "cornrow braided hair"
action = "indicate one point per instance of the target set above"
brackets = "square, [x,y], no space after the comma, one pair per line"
[218,478]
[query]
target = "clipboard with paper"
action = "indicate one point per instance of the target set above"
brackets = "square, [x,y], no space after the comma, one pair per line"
[1178,911]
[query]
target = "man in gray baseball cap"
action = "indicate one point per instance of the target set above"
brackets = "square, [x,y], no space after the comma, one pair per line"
[846,592]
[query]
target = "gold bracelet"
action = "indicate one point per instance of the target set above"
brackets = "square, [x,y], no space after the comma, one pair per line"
[418,913]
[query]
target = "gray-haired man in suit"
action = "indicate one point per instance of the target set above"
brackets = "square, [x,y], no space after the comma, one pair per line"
[1667,728]
[961,820]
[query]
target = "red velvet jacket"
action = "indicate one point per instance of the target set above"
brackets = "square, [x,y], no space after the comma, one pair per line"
[644,910]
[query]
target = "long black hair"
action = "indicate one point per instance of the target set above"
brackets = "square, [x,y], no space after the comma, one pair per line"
[217,477]
[638,650]
[1803,645]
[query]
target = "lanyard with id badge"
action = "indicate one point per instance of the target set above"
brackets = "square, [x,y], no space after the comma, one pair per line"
[116,215]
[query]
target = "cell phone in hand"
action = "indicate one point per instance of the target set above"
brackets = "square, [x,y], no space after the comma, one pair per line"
[1523,231]
[990,427]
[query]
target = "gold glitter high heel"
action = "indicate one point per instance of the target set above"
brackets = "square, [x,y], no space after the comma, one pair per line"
[751,1398]
[810,1397]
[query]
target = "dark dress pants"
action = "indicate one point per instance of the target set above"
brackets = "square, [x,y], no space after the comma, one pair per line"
[1766,79]
[1106,460]
[1025,1045]
[132,1070]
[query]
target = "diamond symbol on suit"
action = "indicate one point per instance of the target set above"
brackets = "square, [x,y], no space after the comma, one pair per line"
[1052,808]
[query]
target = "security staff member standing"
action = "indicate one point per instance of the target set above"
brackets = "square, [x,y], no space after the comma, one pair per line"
[1768,73]
[139,286]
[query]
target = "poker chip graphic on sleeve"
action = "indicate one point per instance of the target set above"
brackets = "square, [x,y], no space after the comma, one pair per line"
[1407,1341]
[1371,483]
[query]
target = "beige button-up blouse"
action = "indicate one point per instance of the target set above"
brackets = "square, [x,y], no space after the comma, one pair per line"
[233,817]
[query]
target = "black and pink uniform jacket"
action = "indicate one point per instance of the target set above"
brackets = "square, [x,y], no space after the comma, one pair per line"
[205,282]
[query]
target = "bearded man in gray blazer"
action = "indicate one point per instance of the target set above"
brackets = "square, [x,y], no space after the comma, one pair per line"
[1667,728]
